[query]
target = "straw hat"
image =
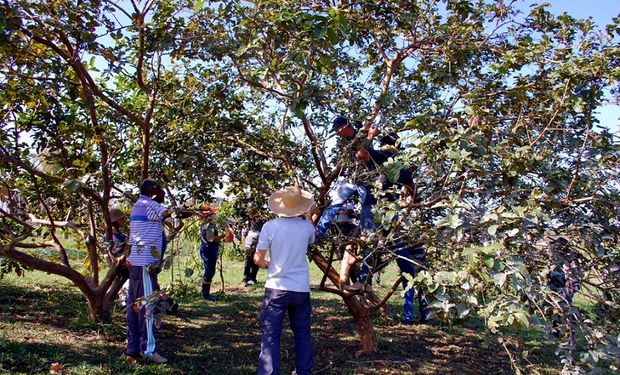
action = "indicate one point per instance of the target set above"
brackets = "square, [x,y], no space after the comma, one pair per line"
[116,214]
[290,201]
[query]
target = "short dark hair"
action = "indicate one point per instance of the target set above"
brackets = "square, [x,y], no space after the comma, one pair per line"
[148,186]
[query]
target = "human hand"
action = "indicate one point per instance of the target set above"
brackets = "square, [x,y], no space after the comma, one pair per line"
[373,131]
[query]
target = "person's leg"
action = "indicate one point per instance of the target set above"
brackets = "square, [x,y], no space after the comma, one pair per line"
[299,313]
[367,220]
[423,306]
[134,291]
[408,298]
[419,256]
[210,260]
[212,253]
[371,264]
[247,265]
[254,269]
[404,261]
[147,343]
[343,192]
[205,285]
[275,305]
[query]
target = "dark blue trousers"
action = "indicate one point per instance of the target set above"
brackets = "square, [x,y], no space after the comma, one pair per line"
[276,305]
[140,333]
[209,253]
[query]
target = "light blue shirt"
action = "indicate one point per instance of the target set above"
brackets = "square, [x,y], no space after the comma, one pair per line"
[146,231]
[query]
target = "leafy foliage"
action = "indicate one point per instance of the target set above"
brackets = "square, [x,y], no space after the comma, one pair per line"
[496,108]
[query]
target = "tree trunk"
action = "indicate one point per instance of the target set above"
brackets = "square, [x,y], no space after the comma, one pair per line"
[362,315]
[112,294]
[361,311]
[96,311]
[146,148]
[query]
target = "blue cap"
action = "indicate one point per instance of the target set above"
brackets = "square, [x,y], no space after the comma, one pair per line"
[339,122]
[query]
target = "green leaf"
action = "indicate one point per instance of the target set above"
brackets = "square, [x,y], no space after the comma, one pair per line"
[489,262]
[499,278]
[494,322]
[471,250]
[198,5]
[522,318]
[451,221]
[493,229]
[333,36]
[445,277]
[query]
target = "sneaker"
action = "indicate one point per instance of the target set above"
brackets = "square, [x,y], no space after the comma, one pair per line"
[251,282]
[155,357]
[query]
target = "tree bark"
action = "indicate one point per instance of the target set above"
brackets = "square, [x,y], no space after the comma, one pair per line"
[96,312]
[362,315]
[361,311]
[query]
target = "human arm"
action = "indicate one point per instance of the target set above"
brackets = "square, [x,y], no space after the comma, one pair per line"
[259,258]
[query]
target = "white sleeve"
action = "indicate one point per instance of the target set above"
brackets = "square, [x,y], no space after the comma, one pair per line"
[265,237]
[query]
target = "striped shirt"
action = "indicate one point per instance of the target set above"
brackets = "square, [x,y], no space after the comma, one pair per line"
[146,231]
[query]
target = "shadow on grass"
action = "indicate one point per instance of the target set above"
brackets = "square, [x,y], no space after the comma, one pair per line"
[223,338]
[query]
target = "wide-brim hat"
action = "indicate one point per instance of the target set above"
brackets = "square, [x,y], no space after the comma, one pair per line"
[206,211]
[116,214]
[290,202]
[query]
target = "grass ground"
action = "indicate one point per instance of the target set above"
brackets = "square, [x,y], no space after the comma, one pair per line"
[43,321]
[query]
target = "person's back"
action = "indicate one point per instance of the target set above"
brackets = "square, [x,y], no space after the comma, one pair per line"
[287,289]
[287,239]
[145,231]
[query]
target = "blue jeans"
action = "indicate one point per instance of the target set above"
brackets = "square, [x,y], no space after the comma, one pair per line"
[339,197]
[208,253]
[275,305]
[405,264]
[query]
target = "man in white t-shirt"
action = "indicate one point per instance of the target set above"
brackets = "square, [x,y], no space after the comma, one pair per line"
[287,288]
[250,269]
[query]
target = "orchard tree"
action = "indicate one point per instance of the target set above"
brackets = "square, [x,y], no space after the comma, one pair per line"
[81,86]
[97,96]
[496,108]
[497,112]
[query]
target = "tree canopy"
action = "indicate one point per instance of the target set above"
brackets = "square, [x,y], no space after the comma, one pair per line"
[496,108]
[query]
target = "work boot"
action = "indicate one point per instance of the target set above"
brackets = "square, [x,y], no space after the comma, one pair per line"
[206,291]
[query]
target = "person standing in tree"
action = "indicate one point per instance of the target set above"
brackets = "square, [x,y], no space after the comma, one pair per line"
[351,141]
[287,288]
[409,259]
[209,249]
